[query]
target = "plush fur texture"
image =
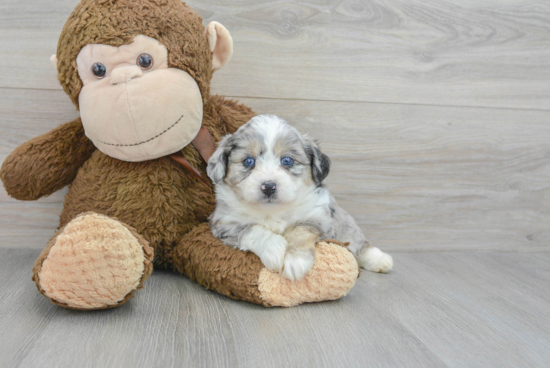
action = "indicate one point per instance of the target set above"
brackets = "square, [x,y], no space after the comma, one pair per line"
[82,270]
[161,204]
[319,285]
[46,163]
[134,113]
[78,251]
[117,22]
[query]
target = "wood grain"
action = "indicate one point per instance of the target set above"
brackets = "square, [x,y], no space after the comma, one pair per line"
[416,178]
[436,117]
[438,52]
[434,178]
[434,310]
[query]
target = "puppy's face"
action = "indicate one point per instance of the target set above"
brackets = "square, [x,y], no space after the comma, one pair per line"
[268,162]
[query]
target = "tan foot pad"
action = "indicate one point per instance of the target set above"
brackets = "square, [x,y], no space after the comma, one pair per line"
[333,274]
[96,262]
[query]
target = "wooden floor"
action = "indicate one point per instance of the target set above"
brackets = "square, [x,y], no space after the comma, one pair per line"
[436,115]
[437,309]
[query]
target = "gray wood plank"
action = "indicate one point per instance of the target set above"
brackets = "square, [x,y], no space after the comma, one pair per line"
[473,316]
[430,177]
[474,53]
[433,310]
[415,177]
[24,314]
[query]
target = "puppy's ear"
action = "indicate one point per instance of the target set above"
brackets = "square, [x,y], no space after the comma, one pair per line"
[320,163]
[217,164]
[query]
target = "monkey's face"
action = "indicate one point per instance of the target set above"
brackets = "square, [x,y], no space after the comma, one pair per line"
[133,106]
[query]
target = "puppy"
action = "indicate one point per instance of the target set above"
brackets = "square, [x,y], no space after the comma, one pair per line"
[271,199]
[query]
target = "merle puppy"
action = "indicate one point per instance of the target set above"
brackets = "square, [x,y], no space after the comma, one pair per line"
[271,199]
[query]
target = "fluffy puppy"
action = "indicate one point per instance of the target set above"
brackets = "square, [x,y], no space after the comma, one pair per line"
[271,199]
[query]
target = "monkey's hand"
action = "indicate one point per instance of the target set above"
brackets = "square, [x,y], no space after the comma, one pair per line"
[46,163]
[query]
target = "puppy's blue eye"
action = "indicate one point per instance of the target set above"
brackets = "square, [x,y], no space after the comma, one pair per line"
[249,162]
[287,161]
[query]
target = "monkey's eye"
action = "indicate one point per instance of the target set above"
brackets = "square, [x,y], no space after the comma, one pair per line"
[145,61]
[287,161]
[249,162]
[99,70]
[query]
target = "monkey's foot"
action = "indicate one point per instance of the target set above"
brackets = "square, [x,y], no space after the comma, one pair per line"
[94,262]
[333,274]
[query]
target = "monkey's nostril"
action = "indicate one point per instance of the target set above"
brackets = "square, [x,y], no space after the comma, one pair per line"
[268,188]
[125,74]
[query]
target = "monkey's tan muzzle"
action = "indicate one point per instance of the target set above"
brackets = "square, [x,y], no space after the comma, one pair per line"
[135,116]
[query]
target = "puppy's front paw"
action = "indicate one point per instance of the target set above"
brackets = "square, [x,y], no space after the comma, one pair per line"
[373,259]
[297,264]
[273,254]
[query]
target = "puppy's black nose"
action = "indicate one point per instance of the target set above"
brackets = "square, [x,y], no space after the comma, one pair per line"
[268,188]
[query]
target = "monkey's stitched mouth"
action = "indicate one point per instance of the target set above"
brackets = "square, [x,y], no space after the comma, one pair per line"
[139,143]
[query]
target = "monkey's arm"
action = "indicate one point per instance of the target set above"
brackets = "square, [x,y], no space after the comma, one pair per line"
[46,163]
[232,113]
[242,276]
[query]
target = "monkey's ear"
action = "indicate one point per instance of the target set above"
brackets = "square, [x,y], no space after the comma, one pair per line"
[53,59]
[221,44]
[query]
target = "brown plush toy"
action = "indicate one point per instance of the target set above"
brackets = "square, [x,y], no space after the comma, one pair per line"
[139,71]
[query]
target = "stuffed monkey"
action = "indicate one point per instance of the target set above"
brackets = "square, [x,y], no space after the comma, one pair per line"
[139,72]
